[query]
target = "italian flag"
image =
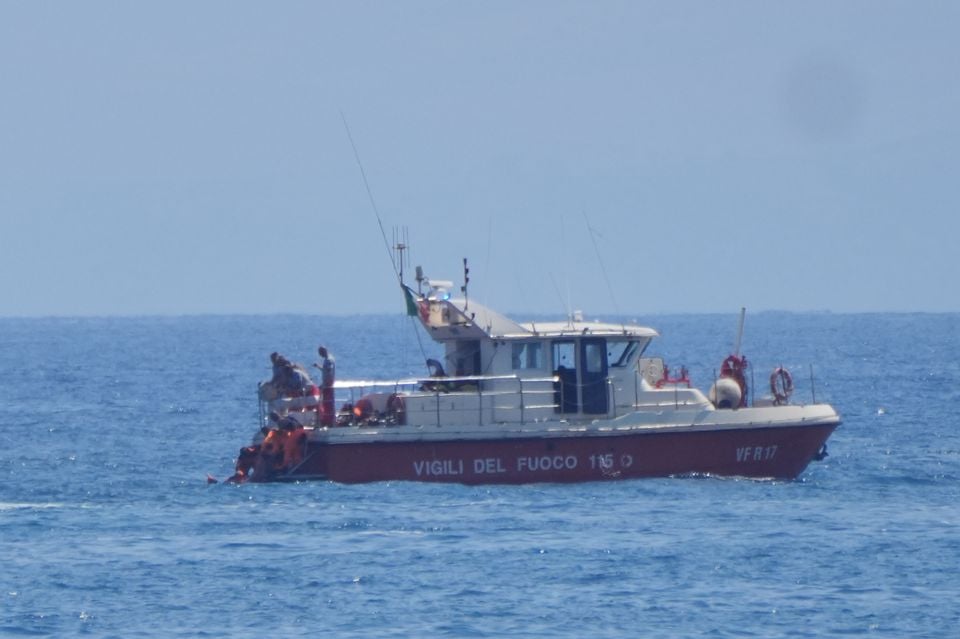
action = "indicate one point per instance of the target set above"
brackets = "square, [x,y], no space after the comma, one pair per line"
[411,303]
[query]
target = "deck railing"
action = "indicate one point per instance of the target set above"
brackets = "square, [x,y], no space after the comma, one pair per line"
[489,398]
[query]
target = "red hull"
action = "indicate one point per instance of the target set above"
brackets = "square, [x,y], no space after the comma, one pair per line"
[770,452]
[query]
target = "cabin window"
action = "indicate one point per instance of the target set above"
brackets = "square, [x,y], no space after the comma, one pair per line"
[566,395]
[527,355]
[467,358]
[564,355]
[593,354]
[622,353]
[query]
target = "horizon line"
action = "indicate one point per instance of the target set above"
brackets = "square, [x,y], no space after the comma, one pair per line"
[592,317]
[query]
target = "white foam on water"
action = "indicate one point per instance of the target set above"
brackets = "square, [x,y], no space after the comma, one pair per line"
[5,506]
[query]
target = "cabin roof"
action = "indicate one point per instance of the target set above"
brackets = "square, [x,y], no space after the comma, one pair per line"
[486,319]
[582,328]
[497,326]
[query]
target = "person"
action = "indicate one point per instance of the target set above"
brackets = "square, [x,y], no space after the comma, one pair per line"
[327,365]
[328,369]
[281,370]
[282,379]
[276,360]
[282,422]
[436,370]
[294,445]
[273,388]
[246,462]
[298,378]
[288,377]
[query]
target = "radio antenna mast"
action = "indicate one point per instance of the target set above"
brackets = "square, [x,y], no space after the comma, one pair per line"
[401,244]
[603,269]
[373,202]
[736,345]
[466,281]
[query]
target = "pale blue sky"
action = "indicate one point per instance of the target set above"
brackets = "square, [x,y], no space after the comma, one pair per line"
[189,157]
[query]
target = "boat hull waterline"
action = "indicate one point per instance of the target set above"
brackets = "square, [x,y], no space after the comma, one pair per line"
[780,452]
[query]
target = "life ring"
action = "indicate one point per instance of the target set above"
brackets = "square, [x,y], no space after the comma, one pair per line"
[781,385]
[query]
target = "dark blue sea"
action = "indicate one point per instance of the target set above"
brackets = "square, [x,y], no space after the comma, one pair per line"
[108,528]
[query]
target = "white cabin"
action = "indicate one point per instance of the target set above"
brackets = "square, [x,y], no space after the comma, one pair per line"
[499,371]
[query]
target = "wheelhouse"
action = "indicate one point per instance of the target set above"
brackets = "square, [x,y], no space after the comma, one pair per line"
[585,365]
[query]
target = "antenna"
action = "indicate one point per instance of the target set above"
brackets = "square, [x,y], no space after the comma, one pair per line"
[466,281]
[401,244]
[397,269]
[603,269]
[373,203]
[736,345]
[566,276]
[560,295]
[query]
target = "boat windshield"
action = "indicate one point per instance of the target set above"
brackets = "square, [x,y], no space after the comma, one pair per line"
[621,353]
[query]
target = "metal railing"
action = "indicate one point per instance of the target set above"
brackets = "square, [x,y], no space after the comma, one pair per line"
[494,398]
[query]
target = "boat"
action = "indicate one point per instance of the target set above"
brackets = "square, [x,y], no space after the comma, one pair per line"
[513,403]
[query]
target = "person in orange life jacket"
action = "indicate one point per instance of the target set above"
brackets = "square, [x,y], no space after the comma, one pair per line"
[283,445]
[282,423]
[245,463]
[271,449]
[294,443]
[328,368]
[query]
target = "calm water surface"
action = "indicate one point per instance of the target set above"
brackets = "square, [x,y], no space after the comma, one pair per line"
[108,529]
